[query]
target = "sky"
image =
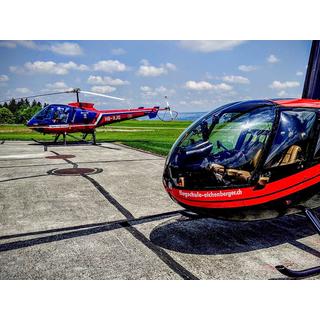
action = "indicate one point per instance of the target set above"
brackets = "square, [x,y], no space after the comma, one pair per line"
[194,75]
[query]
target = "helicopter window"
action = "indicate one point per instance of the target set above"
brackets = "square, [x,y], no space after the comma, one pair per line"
[45,113]
[238,139]
[61,114]
[290,143]
[227,147]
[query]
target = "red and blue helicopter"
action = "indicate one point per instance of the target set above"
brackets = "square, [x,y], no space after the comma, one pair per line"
[65,119]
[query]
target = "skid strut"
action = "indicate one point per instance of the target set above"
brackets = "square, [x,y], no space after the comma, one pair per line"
[311,215]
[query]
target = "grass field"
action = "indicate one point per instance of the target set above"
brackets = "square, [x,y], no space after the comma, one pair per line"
[154,136]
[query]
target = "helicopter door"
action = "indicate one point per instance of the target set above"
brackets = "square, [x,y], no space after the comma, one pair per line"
[290,147]
[62,114]
[84,116]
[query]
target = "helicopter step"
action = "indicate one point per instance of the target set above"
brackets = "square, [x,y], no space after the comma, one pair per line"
[315,221]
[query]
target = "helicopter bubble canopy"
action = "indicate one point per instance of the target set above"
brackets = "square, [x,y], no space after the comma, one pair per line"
[232,145]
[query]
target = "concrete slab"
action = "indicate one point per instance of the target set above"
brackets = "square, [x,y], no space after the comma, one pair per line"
[120,224]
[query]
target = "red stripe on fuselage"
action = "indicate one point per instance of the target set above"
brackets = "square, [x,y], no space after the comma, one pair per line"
[246,197]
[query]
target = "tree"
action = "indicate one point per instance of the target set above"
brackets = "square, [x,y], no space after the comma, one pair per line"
[12,105]
[26,113]
[6,116]
[21,110]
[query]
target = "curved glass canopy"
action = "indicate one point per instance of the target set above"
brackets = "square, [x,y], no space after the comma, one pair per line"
[229,146]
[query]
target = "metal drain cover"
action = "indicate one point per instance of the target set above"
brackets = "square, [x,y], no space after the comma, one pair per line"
[74,171]
[61,156]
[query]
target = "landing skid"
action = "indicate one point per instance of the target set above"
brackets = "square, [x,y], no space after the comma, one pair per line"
[64,142]
[315,221]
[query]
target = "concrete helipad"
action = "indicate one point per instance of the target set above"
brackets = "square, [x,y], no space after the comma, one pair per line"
[115,221]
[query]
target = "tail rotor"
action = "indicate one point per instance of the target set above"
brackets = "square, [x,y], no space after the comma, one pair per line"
[173,114]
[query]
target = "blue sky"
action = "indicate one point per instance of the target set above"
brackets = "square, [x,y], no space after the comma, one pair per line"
[195,75]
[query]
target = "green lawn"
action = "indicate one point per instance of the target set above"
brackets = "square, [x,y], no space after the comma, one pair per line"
[154,136]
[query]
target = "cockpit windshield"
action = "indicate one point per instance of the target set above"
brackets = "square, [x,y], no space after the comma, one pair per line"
[224,148]
[45,113]
[55,113]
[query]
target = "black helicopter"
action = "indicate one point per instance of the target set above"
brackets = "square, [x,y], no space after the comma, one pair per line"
[252,156]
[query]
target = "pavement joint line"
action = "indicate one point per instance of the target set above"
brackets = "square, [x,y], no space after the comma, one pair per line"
[81,162]
[34,158]
[304,247]
[34,165]
[21,178]
[105,147]
[140,150]
[143,219]
[161,253]
[56,237]
[300,245]
[67,160]
[74,233]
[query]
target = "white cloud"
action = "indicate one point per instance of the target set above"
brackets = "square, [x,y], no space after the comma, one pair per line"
[59,85]
[63,48]
[8,44]
[282,93]
[49,67]
[66,48]
[30,44]
[103,89]
[145,62]
[147,70]
[110,66]
[145,88]
[277,85]
[163,90]
[247,68]
[170,66]
[23,90]
[204,85]
[149,93]
[198,102]
[106,81]
[299,73]
[159,91]
[4,78]
[210,45]
[118,51]
[272,59]
[151,71]
[236,79]
[201,85]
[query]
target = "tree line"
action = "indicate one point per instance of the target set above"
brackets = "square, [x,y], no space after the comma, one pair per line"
[19,111]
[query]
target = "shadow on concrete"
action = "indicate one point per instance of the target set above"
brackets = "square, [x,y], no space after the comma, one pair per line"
[209,236]
[53,235]
[71,144]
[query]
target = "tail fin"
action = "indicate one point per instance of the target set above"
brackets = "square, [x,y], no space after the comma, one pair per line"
[311,89]
[154,112]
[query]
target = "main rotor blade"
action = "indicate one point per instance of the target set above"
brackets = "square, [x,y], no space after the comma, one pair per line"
[101,95]
[39,95]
